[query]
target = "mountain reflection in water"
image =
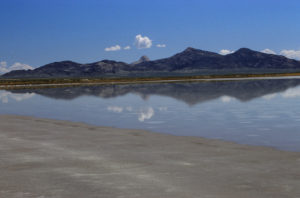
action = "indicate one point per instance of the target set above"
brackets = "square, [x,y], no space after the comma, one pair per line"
[258,112]
[190,93]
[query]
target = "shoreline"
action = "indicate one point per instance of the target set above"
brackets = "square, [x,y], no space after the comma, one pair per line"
[28,83]
[53,158]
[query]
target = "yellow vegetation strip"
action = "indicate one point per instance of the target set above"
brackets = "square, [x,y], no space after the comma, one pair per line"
[40,83]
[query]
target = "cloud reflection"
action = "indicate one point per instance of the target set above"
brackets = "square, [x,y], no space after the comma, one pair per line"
[291,93]
[269,96]
[143,113]
[162,108]
[115,109]
[5,96]
[226,99]
[146,114]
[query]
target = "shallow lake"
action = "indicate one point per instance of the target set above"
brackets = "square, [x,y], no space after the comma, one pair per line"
[256,112]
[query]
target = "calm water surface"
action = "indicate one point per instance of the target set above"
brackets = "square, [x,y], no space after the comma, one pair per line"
[256,112]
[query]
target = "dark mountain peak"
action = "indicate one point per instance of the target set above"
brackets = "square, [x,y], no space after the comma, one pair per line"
[190,49]
[60,64]
[107,61]
[196,53]
[245,51]
[65,62]
[143,59]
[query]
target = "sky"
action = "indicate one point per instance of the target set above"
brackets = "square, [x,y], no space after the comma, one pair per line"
[37,32]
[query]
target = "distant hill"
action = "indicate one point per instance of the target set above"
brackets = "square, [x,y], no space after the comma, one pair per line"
[189,62]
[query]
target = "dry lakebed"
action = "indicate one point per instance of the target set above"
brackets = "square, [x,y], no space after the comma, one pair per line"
[50,158]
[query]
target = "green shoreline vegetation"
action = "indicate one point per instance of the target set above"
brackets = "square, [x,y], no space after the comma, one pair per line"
[14,83]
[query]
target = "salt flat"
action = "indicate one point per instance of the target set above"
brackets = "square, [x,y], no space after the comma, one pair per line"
[50,158]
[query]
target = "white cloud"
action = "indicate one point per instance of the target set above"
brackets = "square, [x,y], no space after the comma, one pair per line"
[146,114]
[20,66]
[113,48]
[268,51]
[15,66]
[291,53]
[3,64]
[225,52]
[115,109]
[161,45]
[127,47]
[3,67]
[142,42]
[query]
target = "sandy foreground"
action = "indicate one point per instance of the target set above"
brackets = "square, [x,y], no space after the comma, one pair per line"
[48,158]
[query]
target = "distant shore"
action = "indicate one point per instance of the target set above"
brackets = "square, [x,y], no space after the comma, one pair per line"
[56,82]
[51,158]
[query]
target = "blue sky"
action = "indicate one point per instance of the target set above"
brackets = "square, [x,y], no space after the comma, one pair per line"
[37,32]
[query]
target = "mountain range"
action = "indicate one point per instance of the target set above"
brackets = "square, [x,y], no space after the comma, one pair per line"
[191,61]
